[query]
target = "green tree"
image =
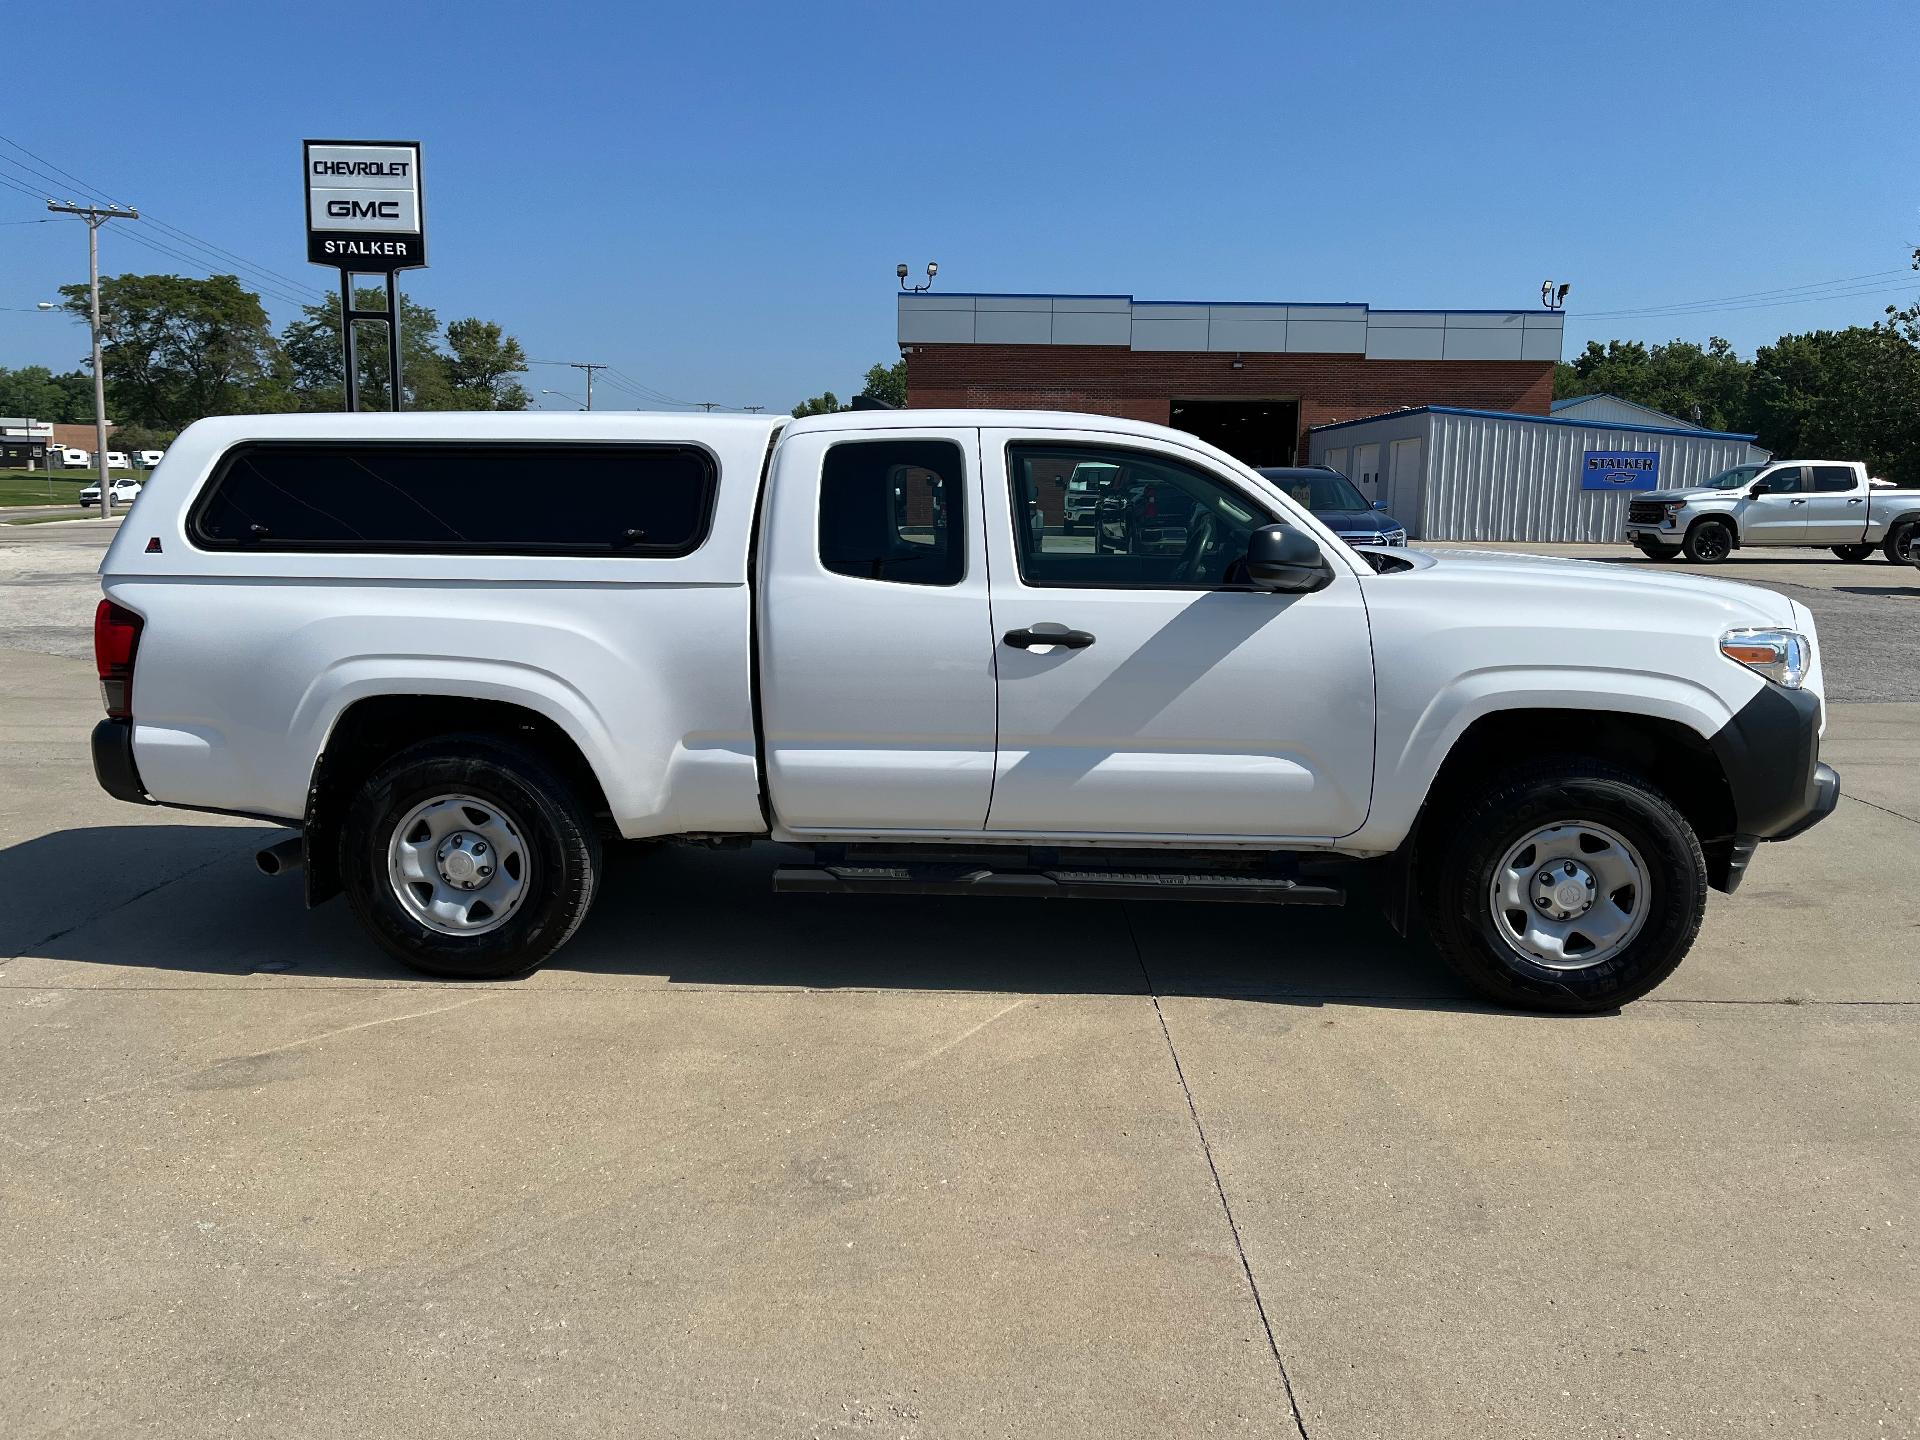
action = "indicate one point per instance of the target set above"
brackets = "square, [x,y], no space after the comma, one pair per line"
[888,383]
[481,367]
[823,404]
[882,382]
[129,438]
[312,346]
[175,348]
[37,393]
[1849,394]
[1703,384]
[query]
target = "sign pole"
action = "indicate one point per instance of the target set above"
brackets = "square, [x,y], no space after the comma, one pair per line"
[393,336]
[350,376]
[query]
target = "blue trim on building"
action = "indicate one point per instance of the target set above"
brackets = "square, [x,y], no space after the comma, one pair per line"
[1531,420]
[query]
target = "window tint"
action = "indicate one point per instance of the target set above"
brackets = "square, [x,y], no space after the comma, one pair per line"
[1832,479]
[423,496]
[894,510]
[1791,480]
[1154,522]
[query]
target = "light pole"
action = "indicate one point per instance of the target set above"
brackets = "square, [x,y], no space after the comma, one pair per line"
[562,395]
[95,218]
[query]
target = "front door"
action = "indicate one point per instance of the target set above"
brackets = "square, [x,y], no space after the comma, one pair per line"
[1777,514]
[1183,706]
[1836,509]
[876,660]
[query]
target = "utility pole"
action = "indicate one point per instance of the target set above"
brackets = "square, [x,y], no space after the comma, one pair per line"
[589,368]
[709,405]
[95,218]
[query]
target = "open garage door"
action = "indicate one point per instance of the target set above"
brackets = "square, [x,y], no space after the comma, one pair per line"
[1260,432]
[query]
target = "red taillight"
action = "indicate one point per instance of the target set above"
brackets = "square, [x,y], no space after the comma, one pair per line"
[116,635]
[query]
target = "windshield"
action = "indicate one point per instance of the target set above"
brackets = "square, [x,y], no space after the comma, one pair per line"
[1733,479]
[1331,491]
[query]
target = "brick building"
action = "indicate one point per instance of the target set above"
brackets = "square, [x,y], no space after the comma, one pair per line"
[1252,379]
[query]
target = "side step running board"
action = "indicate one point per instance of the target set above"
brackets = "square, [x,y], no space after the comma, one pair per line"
[949,879]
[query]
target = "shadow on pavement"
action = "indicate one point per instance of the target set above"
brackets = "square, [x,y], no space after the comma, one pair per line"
[701,918]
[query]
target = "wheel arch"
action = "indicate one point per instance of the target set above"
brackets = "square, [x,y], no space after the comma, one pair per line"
[370,728]
[1673,753]
[1715,517]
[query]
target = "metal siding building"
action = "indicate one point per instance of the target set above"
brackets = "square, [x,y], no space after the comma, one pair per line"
[1612,410]
[1451,474]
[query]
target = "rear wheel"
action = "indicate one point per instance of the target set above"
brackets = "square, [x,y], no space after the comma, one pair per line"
[1569,885]
[1654,550]
[469,857]
[1852,553]
[1709,542]
[1899,546]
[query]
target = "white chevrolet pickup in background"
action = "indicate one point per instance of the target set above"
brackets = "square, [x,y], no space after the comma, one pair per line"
[1830,504]
[463,652]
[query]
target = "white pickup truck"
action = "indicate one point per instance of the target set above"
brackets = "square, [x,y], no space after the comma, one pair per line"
[1830,504]
[463,652]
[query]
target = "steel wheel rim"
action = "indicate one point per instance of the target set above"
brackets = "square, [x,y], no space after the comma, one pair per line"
[1570,895]
[458,865]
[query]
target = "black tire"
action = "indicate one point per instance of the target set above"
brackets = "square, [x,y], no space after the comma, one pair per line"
[559,839]
[1456,881]
[1852,554]
[1709,542]
[1654,550]
[1899,546]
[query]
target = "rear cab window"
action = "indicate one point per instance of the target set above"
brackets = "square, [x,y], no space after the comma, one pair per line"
[895,511]
[424,497]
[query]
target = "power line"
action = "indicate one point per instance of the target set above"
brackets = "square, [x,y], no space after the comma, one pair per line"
[1830,289]
[180,235]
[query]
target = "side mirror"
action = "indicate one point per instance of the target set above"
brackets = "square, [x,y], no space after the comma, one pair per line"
[1379,504]
[1286,560]
[1763,487]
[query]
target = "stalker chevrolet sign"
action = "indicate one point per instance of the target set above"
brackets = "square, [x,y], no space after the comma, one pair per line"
[1621,470]
[364,210]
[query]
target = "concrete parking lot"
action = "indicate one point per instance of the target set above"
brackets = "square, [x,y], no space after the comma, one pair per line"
[745,1165]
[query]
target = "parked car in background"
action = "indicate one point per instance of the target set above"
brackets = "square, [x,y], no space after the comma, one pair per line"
[844,633]
[1338,504]
[1083,493]
[148,459]
[117,460]
[124,492]
[72,459]
[1829,504]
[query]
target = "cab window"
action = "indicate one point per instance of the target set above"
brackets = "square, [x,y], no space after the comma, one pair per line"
[1153,523]
[893,510]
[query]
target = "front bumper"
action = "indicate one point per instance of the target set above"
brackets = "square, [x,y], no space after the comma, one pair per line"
[113,763]
[1770,754]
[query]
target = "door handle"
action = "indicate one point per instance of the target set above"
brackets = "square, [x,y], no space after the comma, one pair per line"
[1796,502]
[1027,639]
[1856,500]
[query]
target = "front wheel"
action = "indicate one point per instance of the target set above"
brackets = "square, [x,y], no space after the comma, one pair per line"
[1569,885]
[1852,554]
[469,857]
[1709,542]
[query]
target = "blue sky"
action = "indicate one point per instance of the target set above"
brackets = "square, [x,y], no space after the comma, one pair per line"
[712,197]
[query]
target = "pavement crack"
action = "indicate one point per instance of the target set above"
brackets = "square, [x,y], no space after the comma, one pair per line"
[1219,1186]
[1883,809]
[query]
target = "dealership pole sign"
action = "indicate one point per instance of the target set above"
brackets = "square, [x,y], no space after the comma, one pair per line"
[1621,470]
[366,215]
